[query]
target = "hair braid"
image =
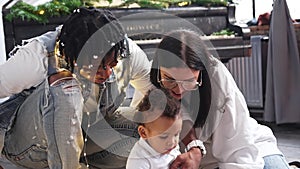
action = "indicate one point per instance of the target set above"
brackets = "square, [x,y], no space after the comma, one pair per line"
[81,25]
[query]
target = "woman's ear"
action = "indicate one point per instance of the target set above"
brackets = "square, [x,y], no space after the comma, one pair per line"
[142,131]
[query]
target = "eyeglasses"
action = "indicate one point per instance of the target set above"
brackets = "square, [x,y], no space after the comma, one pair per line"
[186,84]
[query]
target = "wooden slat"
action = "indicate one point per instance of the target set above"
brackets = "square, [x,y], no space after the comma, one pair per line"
[226,48]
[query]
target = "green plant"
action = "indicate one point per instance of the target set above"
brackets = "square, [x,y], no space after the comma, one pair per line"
[223,32]
[42,12]
[156,3]
[53,8]
[93,2]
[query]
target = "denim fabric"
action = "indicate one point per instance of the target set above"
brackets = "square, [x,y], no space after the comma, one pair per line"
[47,128]
[8,112]
[110,139]
[275,162]
[9,107]
[5,164]
[112,132]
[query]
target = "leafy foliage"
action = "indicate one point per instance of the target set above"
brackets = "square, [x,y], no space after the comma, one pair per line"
[42,12]
[156,3]
[223,32]
[168,3]
[53,8]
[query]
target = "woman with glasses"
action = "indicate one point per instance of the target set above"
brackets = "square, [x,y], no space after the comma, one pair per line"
[218,131]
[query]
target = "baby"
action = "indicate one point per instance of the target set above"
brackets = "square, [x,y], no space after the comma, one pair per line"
[160,124]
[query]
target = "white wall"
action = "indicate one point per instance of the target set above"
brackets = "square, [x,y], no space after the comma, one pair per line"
[294,8]
[36,2]
[244,11]
[263,6]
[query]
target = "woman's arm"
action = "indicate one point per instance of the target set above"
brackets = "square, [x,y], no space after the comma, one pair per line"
[192,158]
[233,142]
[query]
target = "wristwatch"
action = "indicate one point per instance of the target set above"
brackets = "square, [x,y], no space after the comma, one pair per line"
[196,143]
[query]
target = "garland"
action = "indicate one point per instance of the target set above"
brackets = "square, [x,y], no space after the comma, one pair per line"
[42,12]
[54,8]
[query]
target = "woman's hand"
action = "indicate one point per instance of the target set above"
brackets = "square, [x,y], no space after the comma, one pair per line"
[188,160]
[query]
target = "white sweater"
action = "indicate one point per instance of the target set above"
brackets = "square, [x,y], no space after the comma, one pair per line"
[143,156]
[233,139]
[27,68]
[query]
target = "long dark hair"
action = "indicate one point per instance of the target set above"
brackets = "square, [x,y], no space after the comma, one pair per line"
[81,25]
[188,48]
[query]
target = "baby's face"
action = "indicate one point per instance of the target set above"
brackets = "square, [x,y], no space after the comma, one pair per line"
[163,133]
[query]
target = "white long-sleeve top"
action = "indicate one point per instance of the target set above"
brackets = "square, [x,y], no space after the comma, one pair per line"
[25,69]
[28,64]
[233,139]
[143,156]
[138,70]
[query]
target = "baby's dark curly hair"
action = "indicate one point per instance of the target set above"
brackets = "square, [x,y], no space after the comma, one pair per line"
[156,100]
[79,28]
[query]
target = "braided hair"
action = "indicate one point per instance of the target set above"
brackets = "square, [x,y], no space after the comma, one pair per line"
[81,25]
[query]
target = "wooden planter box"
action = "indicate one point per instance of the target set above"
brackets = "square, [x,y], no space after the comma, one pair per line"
[19,30]
[209,20]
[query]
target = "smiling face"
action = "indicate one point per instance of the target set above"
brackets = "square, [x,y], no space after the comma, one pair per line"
[162,134]
[98,71]
[184,76]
